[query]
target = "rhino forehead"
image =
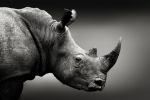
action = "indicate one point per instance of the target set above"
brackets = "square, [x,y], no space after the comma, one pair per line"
[72,45]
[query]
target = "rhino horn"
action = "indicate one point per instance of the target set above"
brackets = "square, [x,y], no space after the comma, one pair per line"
[111,58]
[68,18]
[93,52]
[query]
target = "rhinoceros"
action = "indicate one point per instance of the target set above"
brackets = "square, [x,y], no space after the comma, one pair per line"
[33,44]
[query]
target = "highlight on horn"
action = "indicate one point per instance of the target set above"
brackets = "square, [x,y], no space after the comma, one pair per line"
[111,58]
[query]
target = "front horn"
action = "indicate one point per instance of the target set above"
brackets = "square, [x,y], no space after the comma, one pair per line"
[68,18]
[111,58]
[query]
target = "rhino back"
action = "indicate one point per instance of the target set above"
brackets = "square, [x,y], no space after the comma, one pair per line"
[18,52]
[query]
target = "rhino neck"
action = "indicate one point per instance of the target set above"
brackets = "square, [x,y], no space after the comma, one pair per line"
[38,23]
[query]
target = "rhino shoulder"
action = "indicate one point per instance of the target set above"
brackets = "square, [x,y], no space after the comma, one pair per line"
[18,52]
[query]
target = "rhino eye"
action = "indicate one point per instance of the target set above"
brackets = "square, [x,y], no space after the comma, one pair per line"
[78,58]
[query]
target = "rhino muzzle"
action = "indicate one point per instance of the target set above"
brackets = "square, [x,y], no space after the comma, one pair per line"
[96,84]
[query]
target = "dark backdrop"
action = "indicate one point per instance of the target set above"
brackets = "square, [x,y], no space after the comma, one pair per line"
[99,24]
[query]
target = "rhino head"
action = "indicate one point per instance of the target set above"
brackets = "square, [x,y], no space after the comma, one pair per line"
[75,66]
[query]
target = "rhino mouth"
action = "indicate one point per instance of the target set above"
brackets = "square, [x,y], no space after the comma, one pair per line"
[94,87]
[89,86]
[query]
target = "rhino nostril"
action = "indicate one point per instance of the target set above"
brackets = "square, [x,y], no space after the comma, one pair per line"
[78,59]
[98,82]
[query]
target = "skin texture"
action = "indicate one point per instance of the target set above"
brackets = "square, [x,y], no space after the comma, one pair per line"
[77,69]
[32,43]
[19,55]
[18,52]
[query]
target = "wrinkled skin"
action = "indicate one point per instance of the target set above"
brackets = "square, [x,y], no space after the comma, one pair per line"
[76,67]
[42,45]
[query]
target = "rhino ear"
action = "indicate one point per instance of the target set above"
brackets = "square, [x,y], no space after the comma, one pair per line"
[68,18]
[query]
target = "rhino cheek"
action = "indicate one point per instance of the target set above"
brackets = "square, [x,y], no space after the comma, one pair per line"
[78,83]
[64,74]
